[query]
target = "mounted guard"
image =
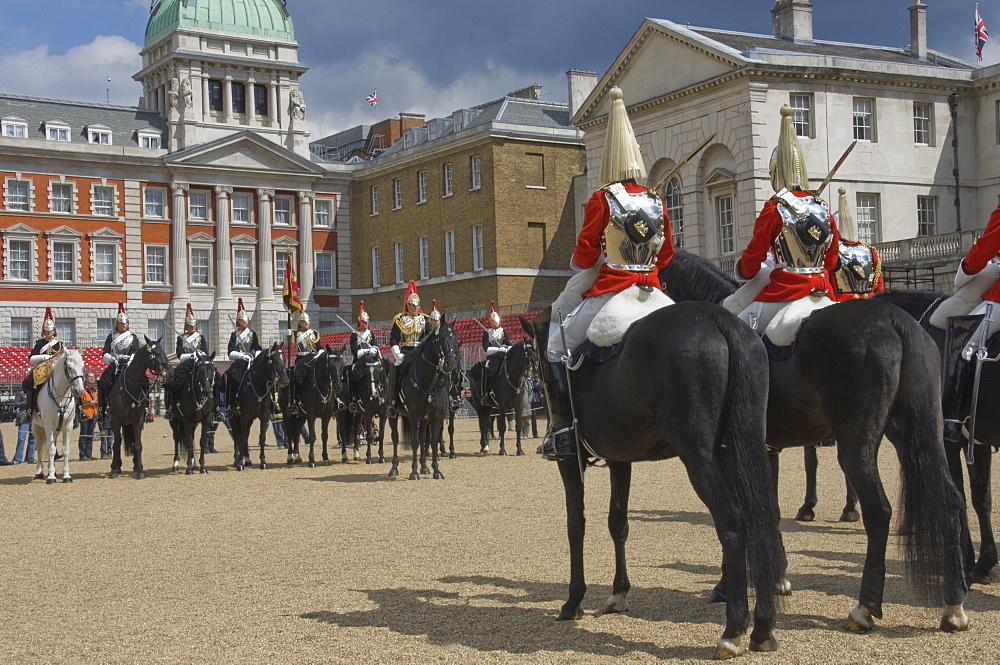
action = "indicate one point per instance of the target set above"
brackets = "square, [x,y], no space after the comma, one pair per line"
[243,346]
[307,347]
[859,267]
[363,350]
[189,344]
[119,347]
[46,348]
[409,328]
[495,342]
[624,242]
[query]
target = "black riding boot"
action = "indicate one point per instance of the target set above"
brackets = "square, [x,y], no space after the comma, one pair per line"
[168,404]
[390,411]
[29,398]
[956,402]
[293,400]
[561,440]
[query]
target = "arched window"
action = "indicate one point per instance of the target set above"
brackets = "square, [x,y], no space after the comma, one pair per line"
[675,209]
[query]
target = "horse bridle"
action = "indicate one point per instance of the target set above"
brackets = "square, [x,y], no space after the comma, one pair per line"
[328,358]
[65,396]
[158,370]
[440,374]
[268,383]
[201,359]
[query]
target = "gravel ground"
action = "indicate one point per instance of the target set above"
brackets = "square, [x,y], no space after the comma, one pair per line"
[339,564]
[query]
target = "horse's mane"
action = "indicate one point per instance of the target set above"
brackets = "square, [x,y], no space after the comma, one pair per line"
[690,277]
[182,372]
[914,303]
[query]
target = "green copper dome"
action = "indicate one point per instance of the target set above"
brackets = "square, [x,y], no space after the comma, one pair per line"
[257,18]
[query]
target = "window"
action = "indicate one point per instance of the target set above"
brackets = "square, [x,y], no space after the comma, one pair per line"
[425,257]
[867,218]
[14,128]
[63,261]
[99,136]
[19,260]
[242,267]
[151,141]
[103,327]
[922,134]
[156,329]
[675,210]
[282,210]
[474,172]
[864,119]
[449,187]
[156,264]
[56,132]
[241,208]
[260,99]
[198,205]
[281,258]
[155,202]
[105,265]
[477,247]
[321,212]
[18,194]
[61,199]
[374,192]
[376,268]
[67,331]
[239,92]
[926,215]
[726,224]
[801,114]
[215,95]
[421,186]
[397,193]
[102,201]
[449,252]
[200,262]
[21,332]
[534,171]
[324,270]
[397,249]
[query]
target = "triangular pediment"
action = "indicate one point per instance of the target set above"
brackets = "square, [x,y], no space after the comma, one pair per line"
[662,58]
[245,151]
[20,229]
[64,231]
[200,237]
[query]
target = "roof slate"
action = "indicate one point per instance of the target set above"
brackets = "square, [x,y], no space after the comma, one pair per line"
[124,121]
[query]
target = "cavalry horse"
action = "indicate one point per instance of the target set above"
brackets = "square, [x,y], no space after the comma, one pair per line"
[423,381]
[369,382]
[920,305]
[194,386]
[252,400]
[854,368]
[501,392]
[128,403]
[318,381]
[689,381]
[56,414]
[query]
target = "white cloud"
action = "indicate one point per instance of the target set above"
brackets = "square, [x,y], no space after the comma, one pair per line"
[80,74]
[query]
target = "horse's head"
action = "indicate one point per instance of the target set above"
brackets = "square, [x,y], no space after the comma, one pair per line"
[156,358]
[277,362]
[73,369]
[335,365]
[530,354]
[204,373]
[444,344]
[537,329]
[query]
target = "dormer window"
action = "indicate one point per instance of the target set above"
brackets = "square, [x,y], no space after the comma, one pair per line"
[14,126]
[57,130]
[99,134]
[148,139]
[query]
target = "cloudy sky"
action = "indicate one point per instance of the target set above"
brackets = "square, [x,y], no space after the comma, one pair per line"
[432,57]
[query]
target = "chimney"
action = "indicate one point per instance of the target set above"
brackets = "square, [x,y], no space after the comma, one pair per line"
[580,84]
[918,30]
[792,20]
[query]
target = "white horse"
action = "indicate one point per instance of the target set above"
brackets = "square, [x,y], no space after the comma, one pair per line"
[56,412]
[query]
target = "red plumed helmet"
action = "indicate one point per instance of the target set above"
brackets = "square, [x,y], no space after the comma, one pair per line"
[412,297]
[494,314]
[362,314]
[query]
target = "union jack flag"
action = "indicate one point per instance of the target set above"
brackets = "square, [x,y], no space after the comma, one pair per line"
[981,35]
[373,98]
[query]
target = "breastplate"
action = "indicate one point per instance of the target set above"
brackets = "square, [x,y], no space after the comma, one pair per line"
[122,344]
[244,341]
[411,327]
[496,336]
[364,338]
[305,341]
[805,235]
[195,341]
[858,270]
[625,208]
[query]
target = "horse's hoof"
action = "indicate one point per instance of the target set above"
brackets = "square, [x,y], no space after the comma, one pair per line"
[978,577]
[425,471]
[393,473]
[39,476]
[140,475]
[520,453]
[717,596]
[860,620]
[452,456]
[50,481]
[955,619]
[767,646]
[616,604]
[438,476]
[187,472]
[502,453]
[805,515]
[312,465]
[727,648]
[566,615]
[414,476]
[329,462]
[67,480]
[381,460]
[113,474]
[177,467]
[783,587]
[239,467]
[204,471]
[263,466]
[484,451]
[369,461]
[850,516]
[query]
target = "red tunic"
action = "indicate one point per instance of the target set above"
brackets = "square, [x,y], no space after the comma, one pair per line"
[982,251]
[842,297]
[588,248]
[784,285]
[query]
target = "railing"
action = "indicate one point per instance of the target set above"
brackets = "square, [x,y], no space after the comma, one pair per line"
[927,249]
[727,263]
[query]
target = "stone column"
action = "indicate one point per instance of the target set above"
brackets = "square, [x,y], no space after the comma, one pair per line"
[306,262]
[223,255]
[265,261]
[251,107]
[272,105]
[205,108]
[227,99]
[178,247]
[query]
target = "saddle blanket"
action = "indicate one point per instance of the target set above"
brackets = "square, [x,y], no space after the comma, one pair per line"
[621,311]
[43,370]
[784,327]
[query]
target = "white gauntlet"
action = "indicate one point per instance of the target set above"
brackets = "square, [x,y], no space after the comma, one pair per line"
[108,358]
[397,354]
[34,360]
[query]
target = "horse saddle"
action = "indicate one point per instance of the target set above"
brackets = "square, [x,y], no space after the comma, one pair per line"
[621,311]
[784,326]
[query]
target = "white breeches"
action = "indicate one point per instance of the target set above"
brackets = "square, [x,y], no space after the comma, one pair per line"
[575,326]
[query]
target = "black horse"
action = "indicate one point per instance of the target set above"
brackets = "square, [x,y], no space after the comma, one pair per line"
[252,400]
[689,381]
[423,380]
[855,368]
[194,385]
[921,304]
[317,382]
[369,382]
[807,511]
[502,392]
[128,403]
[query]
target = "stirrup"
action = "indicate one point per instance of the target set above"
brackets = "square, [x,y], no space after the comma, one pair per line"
[556,447]
[168,414]
[390,411]
[953,430]
[352,407]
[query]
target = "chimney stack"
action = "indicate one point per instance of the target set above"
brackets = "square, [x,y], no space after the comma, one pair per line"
[918,30]
[792,20]
[580,84]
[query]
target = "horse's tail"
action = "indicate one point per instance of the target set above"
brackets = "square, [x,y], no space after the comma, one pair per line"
[744,432]
[932,511]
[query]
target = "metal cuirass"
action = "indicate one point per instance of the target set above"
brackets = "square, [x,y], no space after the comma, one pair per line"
[122,344]
[244,341]
[496,336]
[194,342]
[365,338]
[620,250]
[805,234]
[859,270]
[411,327]
[306,341]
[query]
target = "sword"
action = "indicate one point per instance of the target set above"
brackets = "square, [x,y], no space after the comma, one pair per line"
[344,321]
[982,356]
[672,172]
[479,323]
[835,168]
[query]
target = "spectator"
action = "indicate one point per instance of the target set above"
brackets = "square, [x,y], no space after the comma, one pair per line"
[3,455]
[278,423]
[107,437]
[88,415]
[24,433]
